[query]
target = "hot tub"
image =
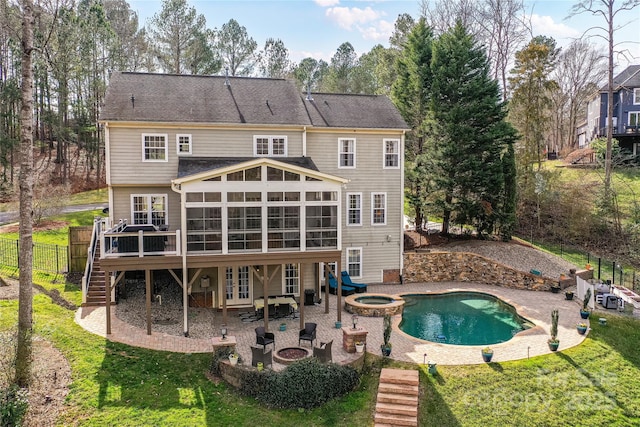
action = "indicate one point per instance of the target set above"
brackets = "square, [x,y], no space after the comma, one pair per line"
[373,305]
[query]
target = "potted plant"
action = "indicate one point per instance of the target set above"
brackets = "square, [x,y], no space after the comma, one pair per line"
[233,358]
[359,347]
[385,347]
[283,326]
[553,341]
[487,354]
[584,312]
[582,328]
[568,295]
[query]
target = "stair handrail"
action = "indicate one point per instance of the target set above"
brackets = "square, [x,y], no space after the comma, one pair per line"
[95,235]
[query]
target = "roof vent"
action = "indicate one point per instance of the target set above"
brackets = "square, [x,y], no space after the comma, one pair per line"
[309,97]
[226,76]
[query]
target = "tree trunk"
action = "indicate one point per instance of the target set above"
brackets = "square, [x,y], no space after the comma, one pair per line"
[607,158]
[25,310]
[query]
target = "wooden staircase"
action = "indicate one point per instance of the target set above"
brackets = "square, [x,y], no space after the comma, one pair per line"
[397,403]
[97,286]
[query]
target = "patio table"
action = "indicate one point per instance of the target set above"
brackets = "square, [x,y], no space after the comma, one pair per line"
[259,303]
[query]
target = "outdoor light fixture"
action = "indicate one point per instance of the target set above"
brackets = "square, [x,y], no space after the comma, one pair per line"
[223,331]
[354,320]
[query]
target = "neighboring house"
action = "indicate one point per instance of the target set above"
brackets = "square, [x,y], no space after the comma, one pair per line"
[254,186]
[626,111]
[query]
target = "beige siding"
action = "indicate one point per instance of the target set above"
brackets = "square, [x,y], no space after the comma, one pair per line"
[378,253]
[121,208]
[126,150]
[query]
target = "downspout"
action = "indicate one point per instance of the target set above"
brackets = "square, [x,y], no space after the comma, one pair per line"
[402,206]
[183,252]
[304,141]
[107,165]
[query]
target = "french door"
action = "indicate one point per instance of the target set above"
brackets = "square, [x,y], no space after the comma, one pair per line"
[238,285]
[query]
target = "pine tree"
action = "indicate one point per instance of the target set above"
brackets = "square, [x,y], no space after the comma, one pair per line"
[471,134]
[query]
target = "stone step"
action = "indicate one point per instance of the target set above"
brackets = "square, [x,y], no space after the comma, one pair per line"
[409,390]
[403,399]
[397,409]
[399,376]
[394,420]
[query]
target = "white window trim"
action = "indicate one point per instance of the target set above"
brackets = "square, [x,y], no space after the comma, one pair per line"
[636,96]
[149,196]
[182,135]
[384,153]
[284,279]
[348,209]
[270,138]
[375,224]
[166,147]
[359,249]
[634,113]
[340,140]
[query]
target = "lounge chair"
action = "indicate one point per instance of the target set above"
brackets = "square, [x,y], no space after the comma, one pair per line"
[308,333]
[323,353]
[259,355]
[264,338]
[346,279]
[333,287]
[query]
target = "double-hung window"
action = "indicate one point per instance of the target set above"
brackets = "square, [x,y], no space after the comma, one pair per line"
[347,153]
[354,208]
[291,279]
[149,209]
[391,153]
[183,144]
[154,147]
[270,146]
[354,262]
[636,96]
[378,208]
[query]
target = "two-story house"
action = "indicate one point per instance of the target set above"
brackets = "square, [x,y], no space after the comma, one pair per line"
[246,187]
[626,111]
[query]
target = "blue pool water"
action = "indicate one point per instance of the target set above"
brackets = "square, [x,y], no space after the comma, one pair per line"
[461,318]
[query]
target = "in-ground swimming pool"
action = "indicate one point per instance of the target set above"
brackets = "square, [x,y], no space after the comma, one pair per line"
[461,318]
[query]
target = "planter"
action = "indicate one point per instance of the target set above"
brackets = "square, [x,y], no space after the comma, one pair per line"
[568,295]
[338,325]
[555,289]
[487,355]
[581,329]
[386,351]
[553,345]
[260,366]
[584,314]
[283,327]
[359,348]
[432,368]
[233,359]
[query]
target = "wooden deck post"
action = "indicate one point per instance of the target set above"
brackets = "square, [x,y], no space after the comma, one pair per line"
[302,295]
[147,279]
[108,301]
[339,293]
[265,294]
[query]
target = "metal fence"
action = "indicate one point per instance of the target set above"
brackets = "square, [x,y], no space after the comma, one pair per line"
[46,257]
[603,268]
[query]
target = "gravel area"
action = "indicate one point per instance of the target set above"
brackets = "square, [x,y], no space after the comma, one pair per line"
[515,255]
[166,310]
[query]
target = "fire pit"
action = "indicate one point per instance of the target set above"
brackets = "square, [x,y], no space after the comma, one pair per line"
[288,355]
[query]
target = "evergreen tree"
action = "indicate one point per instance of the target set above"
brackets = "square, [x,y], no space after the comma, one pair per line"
[471,134]
[236,48]
[411,93]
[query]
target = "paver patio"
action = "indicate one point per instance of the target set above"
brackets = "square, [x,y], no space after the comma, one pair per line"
[535,306]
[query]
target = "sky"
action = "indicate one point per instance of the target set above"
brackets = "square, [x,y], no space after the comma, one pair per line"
[315,28]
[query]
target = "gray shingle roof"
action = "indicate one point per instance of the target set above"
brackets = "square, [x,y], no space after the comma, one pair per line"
[192,166]
[629,78]
[149,97]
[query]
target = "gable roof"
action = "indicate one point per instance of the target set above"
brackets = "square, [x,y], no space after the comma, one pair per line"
[629,78]
[147,97]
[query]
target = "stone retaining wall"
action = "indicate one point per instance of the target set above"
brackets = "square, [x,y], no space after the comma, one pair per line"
[469,267]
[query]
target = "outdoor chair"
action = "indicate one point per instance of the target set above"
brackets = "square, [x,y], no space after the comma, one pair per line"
[259,355]
[346,280]
[333,287]
[308,333]
[264,338]
[323,353]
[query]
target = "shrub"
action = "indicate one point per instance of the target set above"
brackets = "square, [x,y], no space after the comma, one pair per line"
[304,384]
[13,405]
